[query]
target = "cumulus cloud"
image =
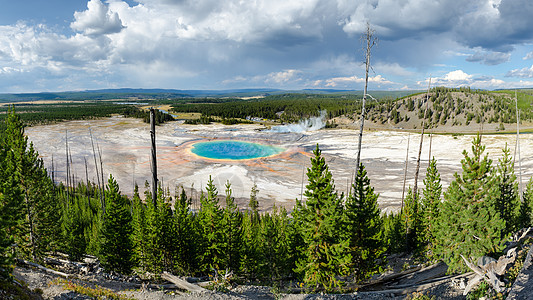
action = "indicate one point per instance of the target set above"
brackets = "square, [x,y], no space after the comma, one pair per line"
[97,20]
[235,43]
[490,24]
[346,81]
[459,78]
[489,58]
[283,77]
[528,56]
[522,73]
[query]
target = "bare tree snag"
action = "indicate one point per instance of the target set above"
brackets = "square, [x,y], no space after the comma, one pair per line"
[370,42]
[417,170]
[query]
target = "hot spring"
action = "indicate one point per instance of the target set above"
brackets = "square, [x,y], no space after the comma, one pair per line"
[234,150]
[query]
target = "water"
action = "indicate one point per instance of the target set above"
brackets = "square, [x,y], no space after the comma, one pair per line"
[234,150]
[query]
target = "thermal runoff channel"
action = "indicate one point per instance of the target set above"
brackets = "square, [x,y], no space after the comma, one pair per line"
[234,150]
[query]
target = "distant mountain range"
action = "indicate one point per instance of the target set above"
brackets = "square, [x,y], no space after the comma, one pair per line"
[146,94]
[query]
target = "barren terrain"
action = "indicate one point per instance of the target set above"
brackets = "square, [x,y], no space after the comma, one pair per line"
[125,146]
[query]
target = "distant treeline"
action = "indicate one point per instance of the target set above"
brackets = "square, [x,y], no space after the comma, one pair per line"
[285,107]
[35,114]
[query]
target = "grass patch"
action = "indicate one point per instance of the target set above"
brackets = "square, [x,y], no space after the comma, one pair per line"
[97,292]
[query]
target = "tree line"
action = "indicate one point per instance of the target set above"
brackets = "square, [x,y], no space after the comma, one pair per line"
[324,242]
[38,114]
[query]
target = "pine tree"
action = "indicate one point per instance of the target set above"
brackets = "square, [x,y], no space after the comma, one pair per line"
[213,244]
[232,226]
[162,242]
[184,233]
[468,223]
[430,203]
[507,202]
[74,225]
[394,232]
[11,201]
[251,224]
[40,230]
[275,261]
[364,227]
[524,218]
[116,245]
[413,219]
[325,251]
[140,231]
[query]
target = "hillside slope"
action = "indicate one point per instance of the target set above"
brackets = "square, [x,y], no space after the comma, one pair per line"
[449,110]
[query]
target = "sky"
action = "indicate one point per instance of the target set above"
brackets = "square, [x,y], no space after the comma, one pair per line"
[71,45]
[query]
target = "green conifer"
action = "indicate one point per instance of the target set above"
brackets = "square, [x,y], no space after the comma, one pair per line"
[11,200]
[251,225]
[116,245]
[140,231]
[233,235]
[275,245]
[184,235]
[468,223]
[364,227]
[507,202]
[525,218]
[213,244]
[430,203]
[325,252]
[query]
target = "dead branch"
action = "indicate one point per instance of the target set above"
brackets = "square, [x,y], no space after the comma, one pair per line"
[182,284]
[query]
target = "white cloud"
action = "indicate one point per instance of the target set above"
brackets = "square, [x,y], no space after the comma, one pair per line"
[346,81]
[457,75]
[459,78]
[97,20]
[528,56]
[283,77]
[523,73]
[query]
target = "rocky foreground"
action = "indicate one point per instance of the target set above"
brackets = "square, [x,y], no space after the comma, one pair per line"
[62,279]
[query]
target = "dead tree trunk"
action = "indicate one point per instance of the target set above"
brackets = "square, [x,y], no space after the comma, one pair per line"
[417,170]
[154,156]
[517,148]
[405,170]
[370,42]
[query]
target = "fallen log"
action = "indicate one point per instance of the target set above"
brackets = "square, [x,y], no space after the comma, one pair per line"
[425,274]
[45,269]
[182,284]
[417,288]
[387,278]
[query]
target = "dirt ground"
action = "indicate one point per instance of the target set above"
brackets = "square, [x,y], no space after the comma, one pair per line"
[53,288]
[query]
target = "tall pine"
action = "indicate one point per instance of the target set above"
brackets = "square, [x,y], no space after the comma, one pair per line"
[116,245]
[11,201]
[430,204]
[325,251]
[364,227]
[468,223]
[508,201]
[213,244]
[525,218]
[232,226]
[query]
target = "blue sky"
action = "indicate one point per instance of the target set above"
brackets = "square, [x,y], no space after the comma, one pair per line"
[65,45]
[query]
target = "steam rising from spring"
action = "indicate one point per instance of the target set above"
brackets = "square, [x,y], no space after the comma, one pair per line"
[311,124]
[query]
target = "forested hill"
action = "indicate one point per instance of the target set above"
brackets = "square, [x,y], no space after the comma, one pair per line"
[452,110]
